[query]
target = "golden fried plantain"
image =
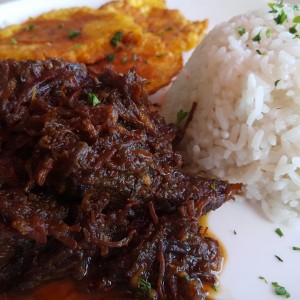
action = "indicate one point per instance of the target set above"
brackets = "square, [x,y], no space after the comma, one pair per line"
[171,26]
[122,34]
[75,34]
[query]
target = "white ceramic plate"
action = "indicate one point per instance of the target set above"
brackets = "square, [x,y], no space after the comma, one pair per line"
[248,237]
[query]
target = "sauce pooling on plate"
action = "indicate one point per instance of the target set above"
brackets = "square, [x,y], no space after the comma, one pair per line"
[65,289]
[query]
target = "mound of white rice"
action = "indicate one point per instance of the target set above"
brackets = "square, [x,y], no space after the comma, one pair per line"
[245,78]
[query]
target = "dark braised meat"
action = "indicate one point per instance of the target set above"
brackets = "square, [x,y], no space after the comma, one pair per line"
[92,187]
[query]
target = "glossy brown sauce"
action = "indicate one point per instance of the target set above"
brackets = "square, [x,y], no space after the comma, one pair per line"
[203,221]
[66,290]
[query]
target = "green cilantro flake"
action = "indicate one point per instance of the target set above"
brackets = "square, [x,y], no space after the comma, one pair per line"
[110,57]
[161,32]
[124,59]
[62,25]
[77,46]
[293,29]
[187,277]
[268,33]
[93,99]
[275,84]
[74,34]
[29,27]
[279,258]
[296,7]
[257,38]
[181,115]
[169,27]
[13,41]
[280,290]
[274,6]
[296,248]
[296,19]
[135,57]
[260,52]
[281,18]
[213,186]
[116,38]
[241,30]
[214,287]
[279,232]
[144,287]
[273,10]
[263,278]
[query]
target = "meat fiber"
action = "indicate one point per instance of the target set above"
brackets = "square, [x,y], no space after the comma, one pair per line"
[91,187]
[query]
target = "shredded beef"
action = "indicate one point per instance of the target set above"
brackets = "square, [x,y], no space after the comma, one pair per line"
[91,187]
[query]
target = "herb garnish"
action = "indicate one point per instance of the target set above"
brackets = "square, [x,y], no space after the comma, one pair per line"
[181,115]
[296,19]
[135,57]
[74,34]
[257,38]
[268,33]
[273,6]
[281,18]
[110,57]
[263,278]
[293,29]
[13,41]
[169,27]
[116,38]
[296,7]
[260,53]
[241,31]
[214,287]
[280,290]
[30,27]
[77,46]
[279,232]
[124,59]
[213,186]
[144,287]
[296,248]
[275,84]
[93,99]
[187,277]
[279,258]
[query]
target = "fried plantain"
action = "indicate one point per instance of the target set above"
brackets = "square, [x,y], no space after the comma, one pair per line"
[121,34]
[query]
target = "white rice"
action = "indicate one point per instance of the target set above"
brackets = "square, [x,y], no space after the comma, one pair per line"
[247,124]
